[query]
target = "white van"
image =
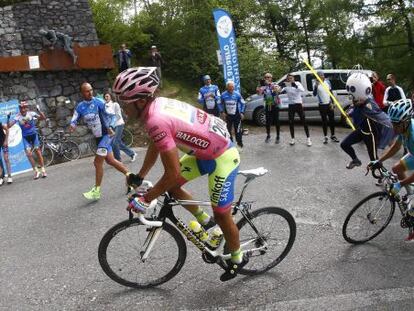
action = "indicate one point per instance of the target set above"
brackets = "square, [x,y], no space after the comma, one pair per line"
[337,78]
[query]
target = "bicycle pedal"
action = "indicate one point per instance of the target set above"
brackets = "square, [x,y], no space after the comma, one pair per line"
[208,258]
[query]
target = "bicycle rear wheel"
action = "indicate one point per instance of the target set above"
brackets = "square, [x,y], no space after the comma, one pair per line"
[278,229]
[121,248]
[71,150]
[127,137]
[368,218]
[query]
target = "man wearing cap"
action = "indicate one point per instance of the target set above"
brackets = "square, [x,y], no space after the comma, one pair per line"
[157,61]
[209,97]
[326,108]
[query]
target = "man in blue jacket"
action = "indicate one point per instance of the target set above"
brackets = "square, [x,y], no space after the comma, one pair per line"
[209,97]
[233,106]
[102,125]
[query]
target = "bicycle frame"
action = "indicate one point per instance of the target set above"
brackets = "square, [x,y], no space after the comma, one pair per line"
[389,179]
[166,212]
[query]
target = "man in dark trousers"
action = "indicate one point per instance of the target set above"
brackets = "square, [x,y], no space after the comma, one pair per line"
[157,61]
[233,109]
[124,58]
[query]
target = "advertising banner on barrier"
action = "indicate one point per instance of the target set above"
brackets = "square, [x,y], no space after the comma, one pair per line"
[228,47]
[18,160]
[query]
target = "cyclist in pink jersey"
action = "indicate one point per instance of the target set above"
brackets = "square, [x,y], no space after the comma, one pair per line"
[174,125]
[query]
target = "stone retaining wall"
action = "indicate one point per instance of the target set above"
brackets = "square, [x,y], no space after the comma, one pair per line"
[57,92]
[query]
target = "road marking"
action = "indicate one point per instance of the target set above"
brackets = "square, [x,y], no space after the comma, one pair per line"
[341,302]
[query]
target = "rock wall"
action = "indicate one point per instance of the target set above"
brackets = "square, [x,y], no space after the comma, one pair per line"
[57,92]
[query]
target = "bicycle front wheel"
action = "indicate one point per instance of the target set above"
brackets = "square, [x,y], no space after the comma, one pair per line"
[277,233]
[70,150]
[127,137]
[121,249]
[368,218]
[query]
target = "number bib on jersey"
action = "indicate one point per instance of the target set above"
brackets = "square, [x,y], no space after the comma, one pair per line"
[210,103]
[218,127]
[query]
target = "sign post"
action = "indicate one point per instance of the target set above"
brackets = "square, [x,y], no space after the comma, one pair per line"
[17,156]
[228,47]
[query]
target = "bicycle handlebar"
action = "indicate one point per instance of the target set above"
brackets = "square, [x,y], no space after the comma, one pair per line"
[146,184]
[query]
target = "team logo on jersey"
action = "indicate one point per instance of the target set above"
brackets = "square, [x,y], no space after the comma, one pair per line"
[193,140]
[201,116]
[159,136]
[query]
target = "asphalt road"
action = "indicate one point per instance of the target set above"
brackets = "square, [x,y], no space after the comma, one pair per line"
[50,234]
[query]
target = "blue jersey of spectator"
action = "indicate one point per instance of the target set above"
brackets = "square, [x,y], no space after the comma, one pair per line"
[232,103]
[97,119]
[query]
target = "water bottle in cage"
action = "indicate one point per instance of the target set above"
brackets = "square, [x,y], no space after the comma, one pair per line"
[216,236]
[198,230]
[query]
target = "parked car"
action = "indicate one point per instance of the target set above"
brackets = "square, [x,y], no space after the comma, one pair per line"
[255,106]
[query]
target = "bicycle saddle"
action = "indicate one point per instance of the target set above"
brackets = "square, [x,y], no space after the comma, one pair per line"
[260,171]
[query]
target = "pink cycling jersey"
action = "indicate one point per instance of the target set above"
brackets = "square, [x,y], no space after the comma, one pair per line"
[171,123]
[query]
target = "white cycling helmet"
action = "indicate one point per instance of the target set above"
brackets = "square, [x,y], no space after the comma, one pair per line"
[135,83]
[359,86]
[401,110]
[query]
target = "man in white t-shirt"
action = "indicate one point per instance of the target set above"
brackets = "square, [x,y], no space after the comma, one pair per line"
[326,108]
[294,90]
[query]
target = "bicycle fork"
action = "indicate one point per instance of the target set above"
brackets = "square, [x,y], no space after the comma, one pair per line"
[149,243]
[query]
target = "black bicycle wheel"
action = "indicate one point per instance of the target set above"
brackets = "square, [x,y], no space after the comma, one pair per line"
[70,150]
[93,144]
[278,229]
[121,248]
[47,154]
[127,137]
[368,218]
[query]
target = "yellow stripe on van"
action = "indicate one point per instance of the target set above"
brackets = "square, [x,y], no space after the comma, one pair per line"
[330,94]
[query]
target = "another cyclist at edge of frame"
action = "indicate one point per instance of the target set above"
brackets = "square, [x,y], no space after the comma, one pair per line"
[27,121]
[400,114]
[174,125]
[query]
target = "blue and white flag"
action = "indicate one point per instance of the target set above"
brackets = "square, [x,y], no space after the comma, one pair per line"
[18,160]
[228,47]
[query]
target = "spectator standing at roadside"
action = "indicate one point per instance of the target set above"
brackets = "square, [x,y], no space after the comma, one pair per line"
[393,92]
[272,105]
[118,145]
[27,121]
[209,97]
[233,110]
[157,61]
[124,58]
[326,108]
[4,135]
[294,90]
[378,91]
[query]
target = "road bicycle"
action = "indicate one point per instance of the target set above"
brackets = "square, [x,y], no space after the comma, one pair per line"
[58,145]
[369,217]
[147,251]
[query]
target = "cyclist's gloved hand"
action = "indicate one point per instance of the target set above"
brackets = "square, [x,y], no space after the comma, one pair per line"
[138,204]
[133,180]
[395,189]
[373,165]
